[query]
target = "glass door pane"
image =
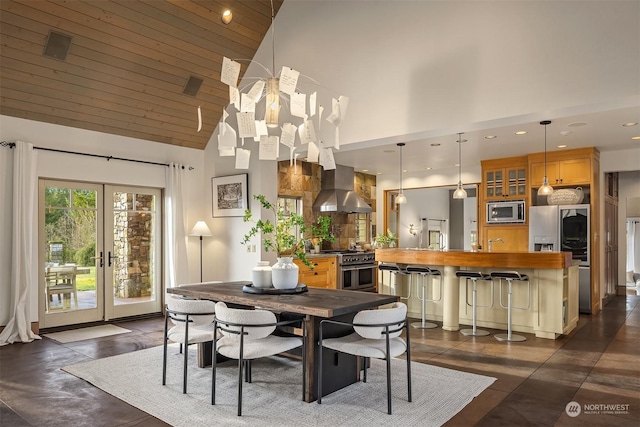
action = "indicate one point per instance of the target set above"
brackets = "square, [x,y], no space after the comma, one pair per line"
[70,230]
[132,241]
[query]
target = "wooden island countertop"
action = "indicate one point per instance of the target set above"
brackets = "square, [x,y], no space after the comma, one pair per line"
[510,260]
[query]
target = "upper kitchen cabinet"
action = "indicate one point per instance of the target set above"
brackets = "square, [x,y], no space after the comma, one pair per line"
[564,168]
[504,179]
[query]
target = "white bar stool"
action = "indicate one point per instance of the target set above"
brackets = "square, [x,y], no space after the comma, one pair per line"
[394,270]
[510,276]
[474,276]
[426,274]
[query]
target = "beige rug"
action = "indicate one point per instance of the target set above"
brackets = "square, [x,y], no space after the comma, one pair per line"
[73,335]
[274,396]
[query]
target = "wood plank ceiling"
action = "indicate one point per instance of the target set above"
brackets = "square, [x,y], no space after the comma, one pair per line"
[128,63]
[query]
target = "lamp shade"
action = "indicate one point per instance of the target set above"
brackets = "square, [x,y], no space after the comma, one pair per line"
[200,229]
[460,192]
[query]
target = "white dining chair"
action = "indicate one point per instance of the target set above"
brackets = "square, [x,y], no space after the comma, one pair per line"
[193,323]
[248,334]
[376,334]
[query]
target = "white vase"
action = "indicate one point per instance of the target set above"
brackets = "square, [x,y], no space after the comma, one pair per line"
[284,273]
[261,275]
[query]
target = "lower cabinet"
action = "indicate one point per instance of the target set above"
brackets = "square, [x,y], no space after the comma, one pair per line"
[323,274]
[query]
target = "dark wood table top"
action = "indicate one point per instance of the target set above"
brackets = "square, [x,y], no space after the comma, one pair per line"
[315,302]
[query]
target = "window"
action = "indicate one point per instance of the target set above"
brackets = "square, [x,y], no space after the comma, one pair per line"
[289,205]
[362,227]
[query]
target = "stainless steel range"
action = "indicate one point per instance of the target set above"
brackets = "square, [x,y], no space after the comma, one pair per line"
[357,271]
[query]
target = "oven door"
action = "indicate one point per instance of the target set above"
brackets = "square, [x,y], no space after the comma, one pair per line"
[359,277]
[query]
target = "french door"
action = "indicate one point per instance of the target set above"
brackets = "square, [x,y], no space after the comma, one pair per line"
[100,248]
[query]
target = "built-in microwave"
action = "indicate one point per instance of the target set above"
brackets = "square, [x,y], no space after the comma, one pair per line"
[506,212]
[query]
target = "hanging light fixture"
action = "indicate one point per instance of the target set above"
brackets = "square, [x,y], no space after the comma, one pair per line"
[401,198]
[545,189]
[460,192]
[303,118]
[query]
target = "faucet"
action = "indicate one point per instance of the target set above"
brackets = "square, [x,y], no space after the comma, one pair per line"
[499,239]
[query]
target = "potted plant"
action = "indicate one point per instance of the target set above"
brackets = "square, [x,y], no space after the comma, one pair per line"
[279,235]
[386,240]
[321,231]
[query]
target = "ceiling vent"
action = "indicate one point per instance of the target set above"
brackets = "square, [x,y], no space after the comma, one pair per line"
[193,86]
[57,46]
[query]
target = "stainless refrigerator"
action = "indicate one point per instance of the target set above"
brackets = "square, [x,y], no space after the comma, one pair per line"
[565,228]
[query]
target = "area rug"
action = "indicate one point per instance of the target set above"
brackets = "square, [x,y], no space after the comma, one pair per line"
[80,334]
[274,396]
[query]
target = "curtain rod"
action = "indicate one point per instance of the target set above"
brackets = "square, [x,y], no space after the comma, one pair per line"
[12,144]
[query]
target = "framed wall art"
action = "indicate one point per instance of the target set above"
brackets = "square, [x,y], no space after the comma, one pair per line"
[229,195]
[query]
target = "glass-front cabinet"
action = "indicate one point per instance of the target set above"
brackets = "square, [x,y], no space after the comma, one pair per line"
[505,183]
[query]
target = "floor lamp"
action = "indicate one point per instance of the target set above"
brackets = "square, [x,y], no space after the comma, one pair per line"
[201,230]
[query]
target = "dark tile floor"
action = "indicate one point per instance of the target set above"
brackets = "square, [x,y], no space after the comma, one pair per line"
[597,364]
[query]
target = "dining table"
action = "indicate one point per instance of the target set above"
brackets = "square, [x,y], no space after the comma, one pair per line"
[313,305]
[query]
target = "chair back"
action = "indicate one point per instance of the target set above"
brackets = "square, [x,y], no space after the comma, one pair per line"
[395,315]
[231,319]
[191,306]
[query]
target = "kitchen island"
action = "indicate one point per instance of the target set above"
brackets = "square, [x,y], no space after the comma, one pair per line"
[554,289]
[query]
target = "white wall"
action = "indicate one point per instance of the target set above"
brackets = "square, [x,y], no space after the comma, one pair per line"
[431,204]
[81,168]
[421,68]
[225,257]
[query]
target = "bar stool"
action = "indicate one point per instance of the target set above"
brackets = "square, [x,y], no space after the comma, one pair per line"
[474,276]
[425,273]
[510,276]
[394,270]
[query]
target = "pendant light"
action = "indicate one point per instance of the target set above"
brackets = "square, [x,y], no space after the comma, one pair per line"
[401,198]
[460,192]
[545,189]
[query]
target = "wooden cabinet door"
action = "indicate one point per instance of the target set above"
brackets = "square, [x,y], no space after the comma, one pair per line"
[575,171]
[537,173]
[516,238]
[493,181]
[515,185]
[323,274]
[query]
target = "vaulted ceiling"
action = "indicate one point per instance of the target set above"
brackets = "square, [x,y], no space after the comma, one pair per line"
[128,63]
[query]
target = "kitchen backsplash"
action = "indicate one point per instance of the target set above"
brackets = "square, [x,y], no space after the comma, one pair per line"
[304,182]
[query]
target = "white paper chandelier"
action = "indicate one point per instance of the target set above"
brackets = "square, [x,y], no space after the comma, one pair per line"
[258,106]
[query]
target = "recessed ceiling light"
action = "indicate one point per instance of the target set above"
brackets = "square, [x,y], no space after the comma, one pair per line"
[576,124]
[379,173]
[562,146]
[462,140]
[457,164]
[565,132]
[521,132]
[365,170]
[635,137]
[435,144]
[404,170]
[490,137]
[630,124]
[227,16]
[428,168]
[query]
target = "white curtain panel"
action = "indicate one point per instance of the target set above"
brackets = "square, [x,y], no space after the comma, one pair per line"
[24,271]
[6,215]
[175,253]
